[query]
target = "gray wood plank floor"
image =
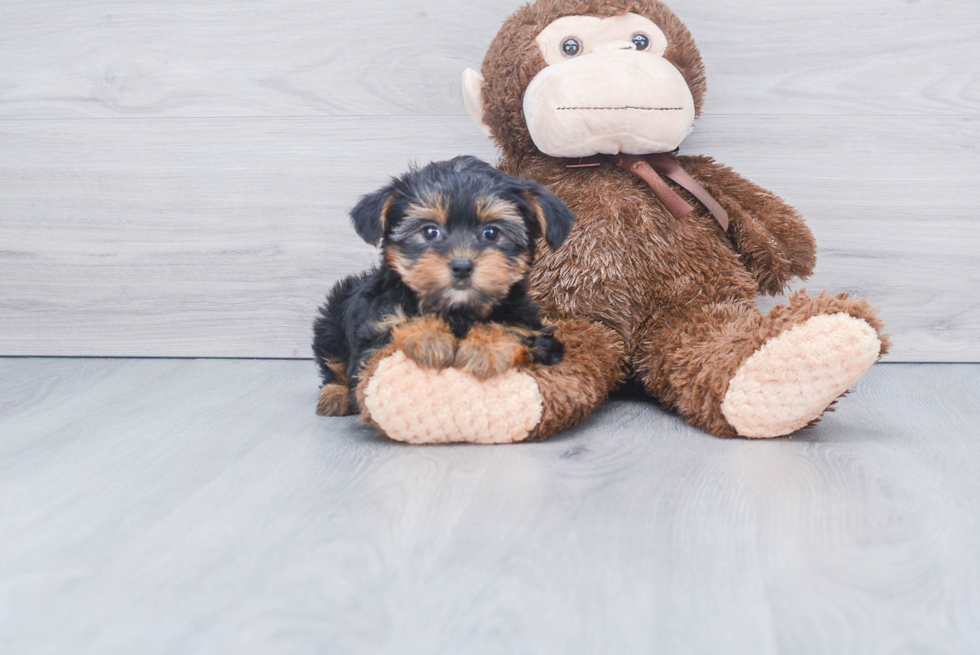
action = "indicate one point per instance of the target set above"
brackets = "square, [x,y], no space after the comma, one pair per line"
[182,506]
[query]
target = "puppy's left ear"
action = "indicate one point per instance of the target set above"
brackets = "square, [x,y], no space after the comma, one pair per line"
[552,217]
[370,214]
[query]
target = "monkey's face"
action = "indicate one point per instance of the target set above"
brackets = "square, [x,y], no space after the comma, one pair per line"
[606,89]
[574,78]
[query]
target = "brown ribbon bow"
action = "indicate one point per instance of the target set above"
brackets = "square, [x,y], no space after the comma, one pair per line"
[649,168]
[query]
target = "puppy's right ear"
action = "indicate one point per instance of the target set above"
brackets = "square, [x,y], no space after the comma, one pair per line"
[370,214]
[549,213]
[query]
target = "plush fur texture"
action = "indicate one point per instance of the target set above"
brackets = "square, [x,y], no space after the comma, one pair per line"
[457,240]
[637,294]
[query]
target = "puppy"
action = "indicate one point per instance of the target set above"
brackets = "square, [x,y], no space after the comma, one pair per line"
[457,240]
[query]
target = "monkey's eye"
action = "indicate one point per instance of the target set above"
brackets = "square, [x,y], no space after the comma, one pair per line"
[431,232]
[571,46]
[491,234]
[640,40]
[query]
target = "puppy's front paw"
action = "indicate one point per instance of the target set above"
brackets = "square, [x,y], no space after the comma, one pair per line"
[427,341]
[546,349]
[489,350]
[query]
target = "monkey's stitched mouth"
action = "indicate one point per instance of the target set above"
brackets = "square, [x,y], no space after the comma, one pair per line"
[622,108]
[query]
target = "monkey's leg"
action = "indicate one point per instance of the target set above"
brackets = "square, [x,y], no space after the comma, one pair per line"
[592,365]
[410,403]
[733,371]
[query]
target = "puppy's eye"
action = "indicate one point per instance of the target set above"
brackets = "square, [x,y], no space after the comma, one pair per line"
[431,232]
[571,46]
[640,40]
[491,234]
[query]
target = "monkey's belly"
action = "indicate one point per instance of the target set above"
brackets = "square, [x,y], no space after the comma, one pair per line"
[598,281]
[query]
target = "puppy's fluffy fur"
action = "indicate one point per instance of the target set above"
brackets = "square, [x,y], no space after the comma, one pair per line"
[457,238]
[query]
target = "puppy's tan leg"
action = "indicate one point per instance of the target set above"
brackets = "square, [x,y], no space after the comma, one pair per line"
[334,400]
[427,341]
[334,397]
[489,350]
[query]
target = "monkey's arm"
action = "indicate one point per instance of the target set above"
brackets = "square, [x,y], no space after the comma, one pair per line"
[775,243]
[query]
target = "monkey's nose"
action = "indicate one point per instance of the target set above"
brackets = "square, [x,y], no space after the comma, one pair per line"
[462,267]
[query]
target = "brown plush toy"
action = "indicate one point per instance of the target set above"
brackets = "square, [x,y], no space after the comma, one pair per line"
[657,279]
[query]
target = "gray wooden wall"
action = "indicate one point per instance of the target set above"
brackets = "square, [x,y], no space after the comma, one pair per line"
[175,176]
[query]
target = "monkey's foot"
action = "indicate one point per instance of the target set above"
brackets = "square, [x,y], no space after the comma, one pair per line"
[794,377]
[422,405]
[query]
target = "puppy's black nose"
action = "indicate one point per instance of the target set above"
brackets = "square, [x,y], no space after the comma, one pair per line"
[462,267]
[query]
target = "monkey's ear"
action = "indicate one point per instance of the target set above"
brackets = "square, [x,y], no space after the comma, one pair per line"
[552,216]
[370,214]
[473,97]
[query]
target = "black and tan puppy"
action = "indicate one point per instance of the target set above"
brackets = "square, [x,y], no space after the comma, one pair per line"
[457,240]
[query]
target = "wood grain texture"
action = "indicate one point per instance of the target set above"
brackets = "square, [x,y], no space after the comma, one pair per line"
[218,238]
[200,506]
[112,58]
[175,177]
[189,237]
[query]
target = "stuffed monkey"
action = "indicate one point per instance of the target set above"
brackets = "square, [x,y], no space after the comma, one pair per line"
[656,282]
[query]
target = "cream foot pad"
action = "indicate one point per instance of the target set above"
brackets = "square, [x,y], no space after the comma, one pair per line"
[418,405]
[793,377]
